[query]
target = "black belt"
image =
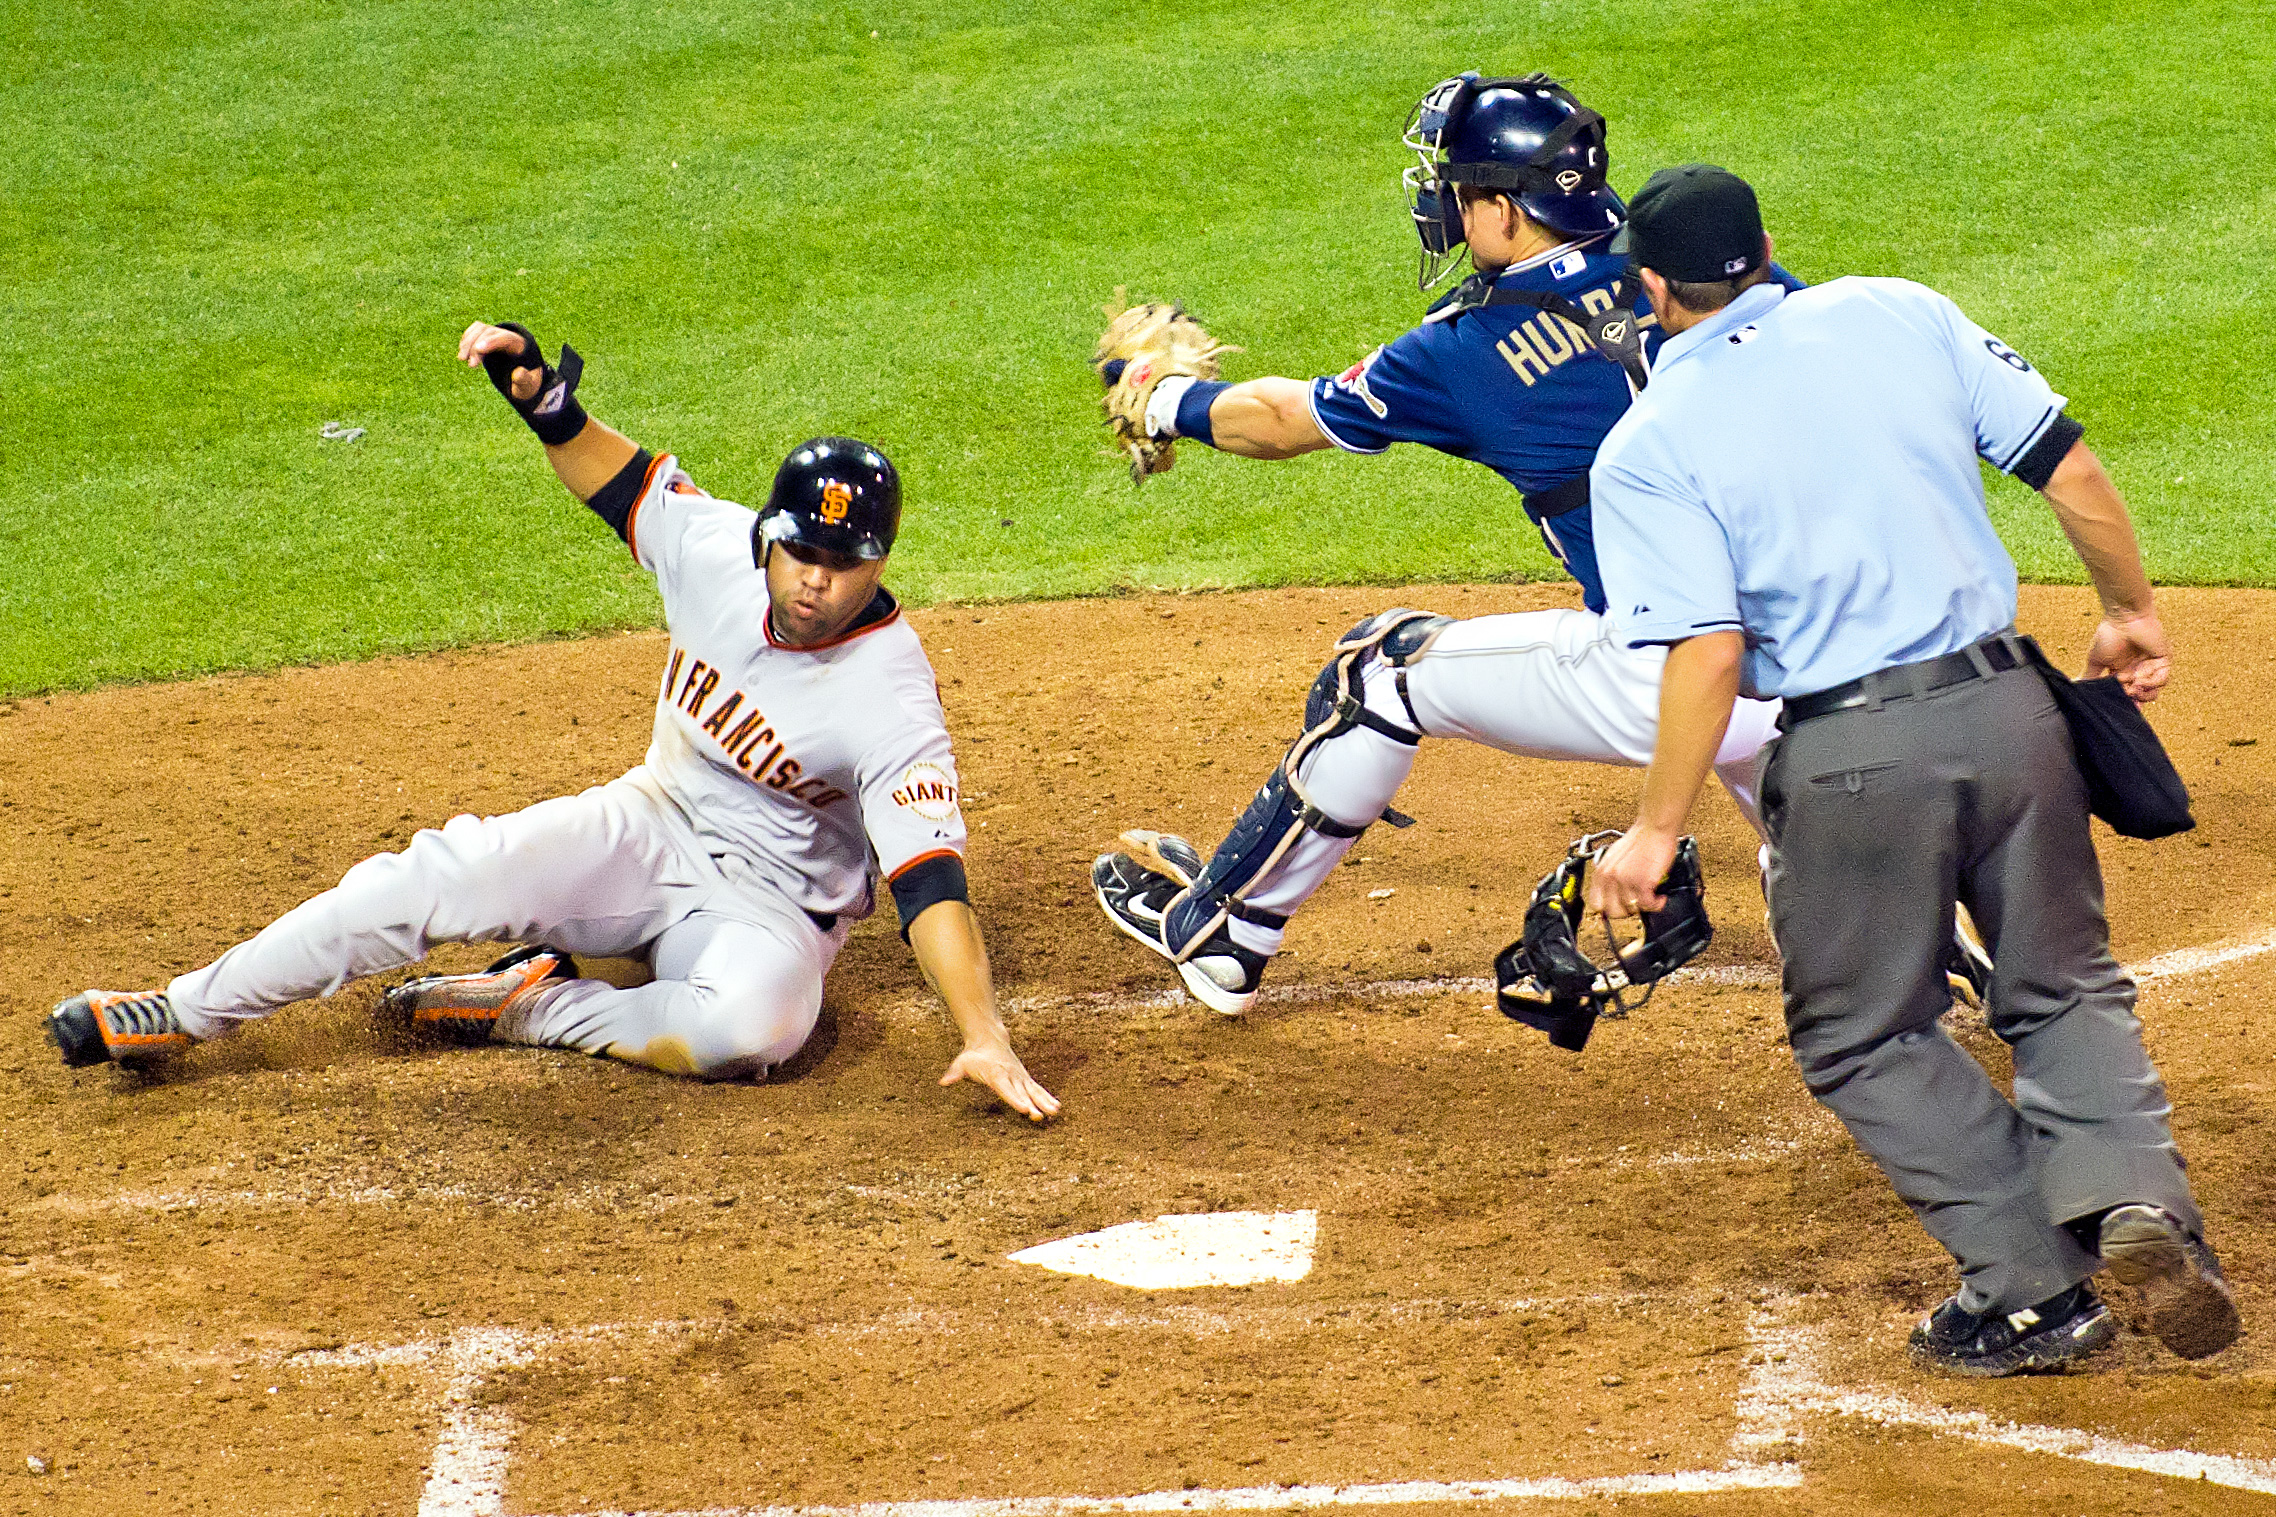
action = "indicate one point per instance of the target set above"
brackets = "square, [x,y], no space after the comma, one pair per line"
[827,921]
[1999,652]
[1558,499]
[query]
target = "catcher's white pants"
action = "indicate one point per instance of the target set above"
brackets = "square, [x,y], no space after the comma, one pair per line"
[1546,684]
[613,871]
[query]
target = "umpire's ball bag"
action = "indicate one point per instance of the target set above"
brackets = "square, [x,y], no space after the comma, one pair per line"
[2130,783]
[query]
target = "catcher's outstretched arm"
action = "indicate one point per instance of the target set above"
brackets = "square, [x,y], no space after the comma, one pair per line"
[1265,418]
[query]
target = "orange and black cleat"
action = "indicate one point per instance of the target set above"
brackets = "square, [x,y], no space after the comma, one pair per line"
[117,1027]
[465,1007]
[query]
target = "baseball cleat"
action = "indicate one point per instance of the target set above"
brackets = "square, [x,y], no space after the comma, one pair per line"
[1220,973]
[1162,853]
[2190,1306]
[465,1007]
[117,1027]
[2050,1336]
[1967,966]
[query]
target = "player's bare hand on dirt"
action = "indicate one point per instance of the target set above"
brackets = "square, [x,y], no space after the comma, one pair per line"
[482,339]
[1000,1070]
[2134,649]
[1625,881]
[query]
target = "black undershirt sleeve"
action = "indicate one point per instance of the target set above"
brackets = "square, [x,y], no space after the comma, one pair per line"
[613,502]
[2036,467]
[935,880]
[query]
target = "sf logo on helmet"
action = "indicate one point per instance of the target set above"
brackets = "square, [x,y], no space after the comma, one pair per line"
[836,498]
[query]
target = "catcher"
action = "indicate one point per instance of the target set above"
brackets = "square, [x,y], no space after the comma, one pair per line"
[1523,367]
[800,756]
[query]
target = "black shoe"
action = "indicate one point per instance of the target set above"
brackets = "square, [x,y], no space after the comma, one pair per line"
[2191,1309]
[2049,1336]
[1219,973]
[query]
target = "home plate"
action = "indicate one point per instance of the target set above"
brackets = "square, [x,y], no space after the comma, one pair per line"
[1169,1253]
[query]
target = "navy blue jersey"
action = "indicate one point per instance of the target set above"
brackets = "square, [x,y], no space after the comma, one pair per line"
[1521,391]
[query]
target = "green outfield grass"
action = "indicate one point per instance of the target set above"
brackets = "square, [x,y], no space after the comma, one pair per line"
[228,223]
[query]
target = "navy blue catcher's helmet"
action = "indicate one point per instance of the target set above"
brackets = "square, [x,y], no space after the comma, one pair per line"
[837,494]
[1527,137]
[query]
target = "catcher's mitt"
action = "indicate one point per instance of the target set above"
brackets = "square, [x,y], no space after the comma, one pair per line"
[1144,345]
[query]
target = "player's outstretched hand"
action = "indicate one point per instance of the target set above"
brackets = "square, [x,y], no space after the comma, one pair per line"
[482,339]
[2137,651]
[998,1068]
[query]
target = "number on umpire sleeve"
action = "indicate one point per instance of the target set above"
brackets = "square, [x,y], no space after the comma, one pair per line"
[2007,355]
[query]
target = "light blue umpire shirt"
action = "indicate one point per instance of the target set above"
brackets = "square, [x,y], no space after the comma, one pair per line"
[1802,468]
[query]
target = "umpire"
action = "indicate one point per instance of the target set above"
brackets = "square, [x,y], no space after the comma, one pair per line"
[1794,507]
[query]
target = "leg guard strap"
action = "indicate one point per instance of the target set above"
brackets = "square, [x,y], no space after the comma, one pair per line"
[1255,915]
[1284,808]
[1350,713]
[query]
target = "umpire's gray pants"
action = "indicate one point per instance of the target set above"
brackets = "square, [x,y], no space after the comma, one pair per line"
[1879,819]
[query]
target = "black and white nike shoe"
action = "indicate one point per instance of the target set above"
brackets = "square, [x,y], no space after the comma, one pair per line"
[1138,888]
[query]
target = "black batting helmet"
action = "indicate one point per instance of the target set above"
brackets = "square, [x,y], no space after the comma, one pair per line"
[1528,138]
[838,494]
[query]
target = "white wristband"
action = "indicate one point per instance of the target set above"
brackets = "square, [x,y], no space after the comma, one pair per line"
[1162,405]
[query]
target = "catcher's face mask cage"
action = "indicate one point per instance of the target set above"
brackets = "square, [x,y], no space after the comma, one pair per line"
[1540,144]
[1432,202]
[1544,979]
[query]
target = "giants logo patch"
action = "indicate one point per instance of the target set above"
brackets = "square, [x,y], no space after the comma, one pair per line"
[836,500]
[928,790]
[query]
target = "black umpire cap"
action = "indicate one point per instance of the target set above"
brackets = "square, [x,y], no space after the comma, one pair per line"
[1696,223]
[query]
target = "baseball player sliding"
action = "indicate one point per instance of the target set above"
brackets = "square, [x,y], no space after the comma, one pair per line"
[1509,369]
[799,752]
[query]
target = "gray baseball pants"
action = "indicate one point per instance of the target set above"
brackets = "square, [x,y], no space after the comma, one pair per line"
[1879,818]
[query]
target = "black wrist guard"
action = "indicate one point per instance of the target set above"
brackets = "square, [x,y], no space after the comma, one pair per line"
[552,413]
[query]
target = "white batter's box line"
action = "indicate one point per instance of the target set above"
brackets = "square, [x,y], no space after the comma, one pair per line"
[2165,966]
[2187,961]
[1789,1382]
[467,1470]
[1739,976]
[1275,1498]
[590,1199]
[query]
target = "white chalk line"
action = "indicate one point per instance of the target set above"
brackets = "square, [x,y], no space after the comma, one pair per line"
[1785,1384]
[1737,976]
[1789,1381]
[2188,961]
[2171,965]
[466,1472]
[1274,1498]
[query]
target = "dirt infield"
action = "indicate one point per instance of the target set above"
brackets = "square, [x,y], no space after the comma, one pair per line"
[316,1269]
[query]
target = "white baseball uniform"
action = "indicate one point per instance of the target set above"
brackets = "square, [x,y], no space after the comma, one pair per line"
[780,782]
[1546,684]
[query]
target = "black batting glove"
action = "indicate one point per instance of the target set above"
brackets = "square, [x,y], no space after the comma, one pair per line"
[552,413]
